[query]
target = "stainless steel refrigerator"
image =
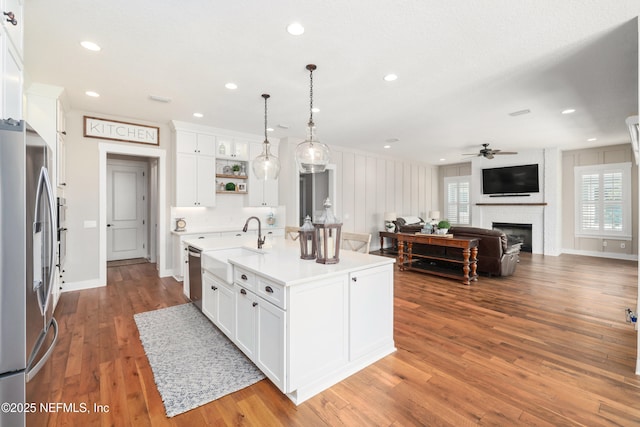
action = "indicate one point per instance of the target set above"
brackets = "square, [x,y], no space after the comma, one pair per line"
[28,330]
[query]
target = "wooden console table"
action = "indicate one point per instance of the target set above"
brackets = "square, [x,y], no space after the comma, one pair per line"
[394,242]
[439,264]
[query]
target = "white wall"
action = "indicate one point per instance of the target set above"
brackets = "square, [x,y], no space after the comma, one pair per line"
[367,186]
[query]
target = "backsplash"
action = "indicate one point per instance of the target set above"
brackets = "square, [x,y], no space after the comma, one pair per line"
[230,217]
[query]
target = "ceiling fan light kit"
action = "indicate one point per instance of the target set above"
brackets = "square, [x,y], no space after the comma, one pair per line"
[489,153]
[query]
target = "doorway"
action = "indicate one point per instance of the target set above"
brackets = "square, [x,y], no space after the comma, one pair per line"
[127,209]
[157,203]
[313,190]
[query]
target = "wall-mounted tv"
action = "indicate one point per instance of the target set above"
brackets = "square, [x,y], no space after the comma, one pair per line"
[511,180]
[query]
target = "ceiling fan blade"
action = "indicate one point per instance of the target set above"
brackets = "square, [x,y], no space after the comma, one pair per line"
[505,152]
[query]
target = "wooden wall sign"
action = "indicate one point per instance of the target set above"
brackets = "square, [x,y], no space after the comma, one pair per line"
[121,131]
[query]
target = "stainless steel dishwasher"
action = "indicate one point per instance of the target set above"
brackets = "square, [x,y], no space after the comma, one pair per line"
[195,276]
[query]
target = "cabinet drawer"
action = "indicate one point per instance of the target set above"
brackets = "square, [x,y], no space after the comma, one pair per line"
[244,277]
[271,292]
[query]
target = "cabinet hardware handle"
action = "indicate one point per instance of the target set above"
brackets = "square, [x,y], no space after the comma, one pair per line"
[243,292]
[244,277]
[355,279]
[11,17]
[268,289]
[254,304]
[214,288]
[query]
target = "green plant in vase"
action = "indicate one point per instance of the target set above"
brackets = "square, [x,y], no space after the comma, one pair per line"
[443,226]
[236,169]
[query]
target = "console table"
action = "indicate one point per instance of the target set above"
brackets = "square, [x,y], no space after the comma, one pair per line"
[390,235]
[452,264]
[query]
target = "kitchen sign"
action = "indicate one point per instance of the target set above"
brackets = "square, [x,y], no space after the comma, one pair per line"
[120,131]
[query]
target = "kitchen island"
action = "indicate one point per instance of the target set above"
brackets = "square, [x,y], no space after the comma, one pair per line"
[306,325]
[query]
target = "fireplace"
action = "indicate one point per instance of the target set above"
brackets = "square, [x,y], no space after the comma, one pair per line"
[516,233]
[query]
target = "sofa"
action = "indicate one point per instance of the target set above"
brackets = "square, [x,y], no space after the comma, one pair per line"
[408,224]
[496,256]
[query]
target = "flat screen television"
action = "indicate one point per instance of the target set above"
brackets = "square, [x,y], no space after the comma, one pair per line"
[511,180]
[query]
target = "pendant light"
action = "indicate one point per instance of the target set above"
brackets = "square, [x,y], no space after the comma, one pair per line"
[266,165]
[312,155]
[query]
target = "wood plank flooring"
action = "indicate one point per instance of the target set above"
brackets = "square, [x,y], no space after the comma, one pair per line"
[548,346]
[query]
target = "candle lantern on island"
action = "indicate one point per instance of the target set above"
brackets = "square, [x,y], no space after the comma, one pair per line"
[327,236]
[307,240]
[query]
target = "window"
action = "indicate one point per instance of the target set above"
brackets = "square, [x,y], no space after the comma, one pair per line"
[457,207]
[603,200]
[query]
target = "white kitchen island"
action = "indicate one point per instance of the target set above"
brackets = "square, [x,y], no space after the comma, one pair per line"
[306,325]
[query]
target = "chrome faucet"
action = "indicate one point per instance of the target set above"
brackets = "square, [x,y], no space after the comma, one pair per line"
[260,238]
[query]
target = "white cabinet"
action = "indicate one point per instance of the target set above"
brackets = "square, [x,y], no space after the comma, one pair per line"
[218,303]
[61,167]
[195,169]
[270,324]
[261,193]
[246,316]
[13,24]
[11,59]
[370,291]
[232,148]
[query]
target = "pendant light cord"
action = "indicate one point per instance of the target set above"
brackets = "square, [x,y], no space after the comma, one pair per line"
[266,140]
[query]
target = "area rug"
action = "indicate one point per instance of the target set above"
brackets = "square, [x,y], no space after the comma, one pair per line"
[193,363]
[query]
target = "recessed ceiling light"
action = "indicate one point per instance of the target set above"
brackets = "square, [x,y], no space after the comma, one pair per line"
[295,29]
[315,109]
[270,129]
[90,46]
[198,115]
[390,77]
[442,160]
[92,94]
[386,146]
[592,139]
[281,126]
[568,111]
[231,86]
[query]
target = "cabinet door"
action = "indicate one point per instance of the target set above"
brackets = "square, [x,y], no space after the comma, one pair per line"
[270,193]
[371,309]
[226,310]
[245,334]
[60,161]
[271,342]
[240,150]
[186,142]
[15,32]
[206,144]
[186,179]
[12,82]
[206,181]
[210,295]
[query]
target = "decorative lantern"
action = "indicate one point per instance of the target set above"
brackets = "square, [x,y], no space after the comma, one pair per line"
[307,240]
[328,236]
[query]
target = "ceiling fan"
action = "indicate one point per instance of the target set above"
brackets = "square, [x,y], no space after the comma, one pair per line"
[488,153]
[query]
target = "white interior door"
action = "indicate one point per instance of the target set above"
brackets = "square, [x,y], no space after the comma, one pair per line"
[126,210]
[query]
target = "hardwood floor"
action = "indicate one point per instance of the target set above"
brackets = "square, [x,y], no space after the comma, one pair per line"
[548,346]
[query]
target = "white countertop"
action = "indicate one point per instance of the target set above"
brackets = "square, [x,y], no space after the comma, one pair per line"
[204,230]
[281,261]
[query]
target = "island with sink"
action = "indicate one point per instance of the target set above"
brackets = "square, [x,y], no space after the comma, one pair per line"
[306,325]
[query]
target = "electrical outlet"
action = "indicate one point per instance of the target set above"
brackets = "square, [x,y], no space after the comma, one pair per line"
[623,245]
[604,243]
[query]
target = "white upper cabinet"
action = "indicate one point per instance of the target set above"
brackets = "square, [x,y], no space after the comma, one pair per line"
[232,148]
[195,169]
[13,24]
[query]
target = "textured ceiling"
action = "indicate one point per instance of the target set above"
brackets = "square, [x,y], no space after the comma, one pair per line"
[462,67]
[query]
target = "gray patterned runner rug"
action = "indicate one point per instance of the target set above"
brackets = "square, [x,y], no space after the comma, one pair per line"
[193,363]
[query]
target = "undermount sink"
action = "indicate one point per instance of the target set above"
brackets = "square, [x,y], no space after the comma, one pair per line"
[217,261]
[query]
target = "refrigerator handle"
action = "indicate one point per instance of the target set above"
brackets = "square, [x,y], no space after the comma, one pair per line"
[33,370]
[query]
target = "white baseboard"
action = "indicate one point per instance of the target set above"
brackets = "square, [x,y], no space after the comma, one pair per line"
[611,255]
[78,286]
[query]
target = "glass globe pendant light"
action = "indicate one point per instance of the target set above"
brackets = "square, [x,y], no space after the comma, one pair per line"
[311,155]
[266,165]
